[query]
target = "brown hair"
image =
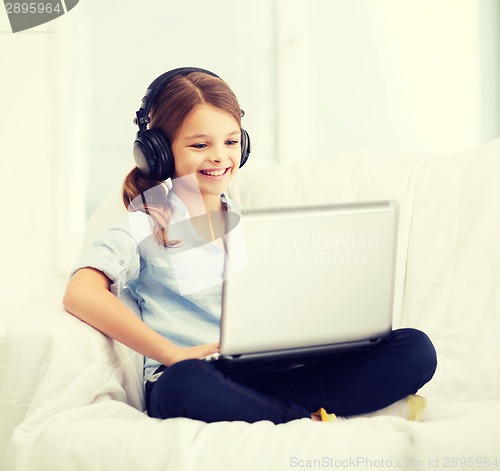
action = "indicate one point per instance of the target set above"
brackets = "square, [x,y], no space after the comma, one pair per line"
[178,99]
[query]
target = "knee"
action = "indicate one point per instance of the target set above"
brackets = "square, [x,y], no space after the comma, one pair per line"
[421,352]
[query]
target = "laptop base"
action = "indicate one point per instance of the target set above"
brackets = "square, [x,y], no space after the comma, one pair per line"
[284,359]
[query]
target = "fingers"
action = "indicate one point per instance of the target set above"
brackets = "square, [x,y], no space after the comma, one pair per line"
[197,352]
[210,348]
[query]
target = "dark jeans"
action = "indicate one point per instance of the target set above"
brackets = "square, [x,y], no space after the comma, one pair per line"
[346,384]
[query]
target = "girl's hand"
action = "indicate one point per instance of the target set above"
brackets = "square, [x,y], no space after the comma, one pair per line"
[189,353]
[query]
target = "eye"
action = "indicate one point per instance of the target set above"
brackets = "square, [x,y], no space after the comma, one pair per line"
[198,146]
[231,142]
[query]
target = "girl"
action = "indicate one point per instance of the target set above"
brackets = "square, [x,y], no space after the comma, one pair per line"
[169,256]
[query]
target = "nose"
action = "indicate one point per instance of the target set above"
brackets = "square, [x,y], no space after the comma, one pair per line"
[217,155]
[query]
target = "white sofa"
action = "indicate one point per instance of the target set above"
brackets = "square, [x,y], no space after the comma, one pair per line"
[71,399]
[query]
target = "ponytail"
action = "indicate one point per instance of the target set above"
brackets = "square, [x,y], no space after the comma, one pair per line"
[151,197]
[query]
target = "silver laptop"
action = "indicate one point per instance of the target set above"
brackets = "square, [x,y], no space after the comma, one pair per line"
[309,282]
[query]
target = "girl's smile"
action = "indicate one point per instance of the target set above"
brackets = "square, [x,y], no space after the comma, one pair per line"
[215,173]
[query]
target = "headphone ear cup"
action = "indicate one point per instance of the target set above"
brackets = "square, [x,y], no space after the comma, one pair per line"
[245,147]
[164,158]
[144,156]
[153,155]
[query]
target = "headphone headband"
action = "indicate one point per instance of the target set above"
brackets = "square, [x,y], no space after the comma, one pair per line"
[156,87]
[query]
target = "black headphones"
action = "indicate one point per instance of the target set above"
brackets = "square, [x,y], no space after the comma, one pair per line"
[152,152]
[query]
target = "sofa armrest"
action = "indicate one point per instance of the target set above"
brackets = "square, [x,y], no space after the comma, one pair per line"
[50,362]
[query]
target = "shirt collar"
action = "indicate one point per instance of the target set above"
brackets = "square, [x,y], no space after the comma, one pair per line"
[182,212]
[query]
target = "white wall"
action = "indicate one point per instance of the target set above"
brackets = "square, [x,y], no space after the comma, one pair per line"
[397,75]
[27,166]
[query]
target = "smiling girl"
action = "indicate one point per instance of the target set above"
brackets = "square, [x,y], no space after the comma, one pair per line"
[190,137]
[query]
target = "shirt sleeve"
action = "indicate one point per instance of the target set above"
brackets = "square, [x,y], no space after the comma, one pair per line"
[115,254]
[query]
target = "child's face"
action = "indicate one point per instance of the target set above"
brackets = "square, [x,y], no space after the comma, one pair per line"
[208,146]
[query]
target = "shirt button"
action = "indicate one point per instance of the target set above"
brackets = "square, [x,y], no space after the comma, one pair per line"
[122,262]
[222,275]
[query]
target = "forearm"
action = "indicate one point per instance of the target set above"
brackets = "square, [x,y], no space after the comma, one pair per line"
[88,298]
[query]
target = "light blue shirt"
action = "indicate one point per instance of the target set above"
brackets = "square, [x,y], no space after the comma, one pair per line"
[178,290]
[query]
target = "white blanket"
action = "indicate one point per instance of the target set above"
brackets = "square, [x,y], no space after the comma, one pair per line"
[71,399]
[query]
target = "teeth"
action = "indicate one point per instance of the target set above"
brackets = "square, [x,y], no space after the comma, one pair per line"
[214,173]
